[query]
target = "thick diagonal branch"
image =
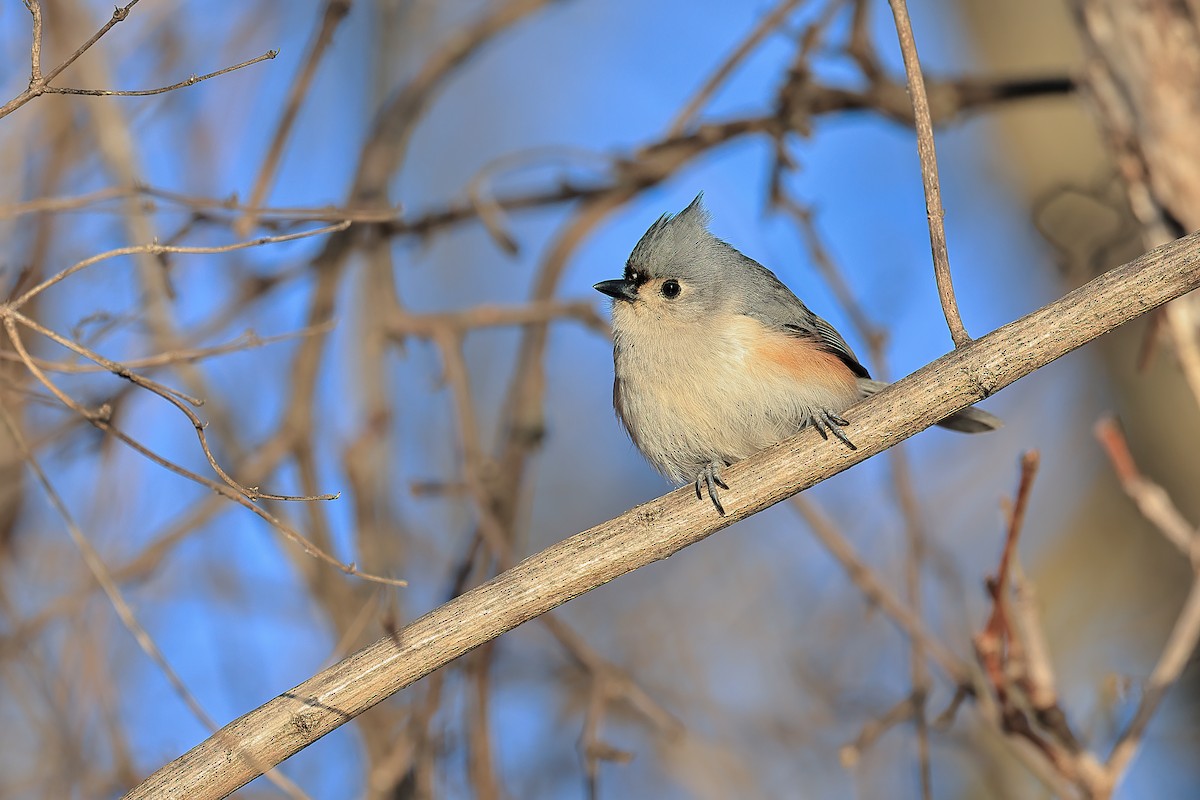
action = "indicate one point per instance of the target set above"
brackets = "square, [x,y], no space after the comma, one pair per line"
[658,529]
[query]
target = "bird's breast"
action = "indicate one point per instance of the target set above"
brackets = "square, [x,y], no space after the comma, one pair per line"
[721,392]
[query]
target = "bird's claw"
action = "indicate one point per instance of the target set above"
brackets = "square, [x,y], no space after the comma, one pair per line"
[711,479]
[826,422]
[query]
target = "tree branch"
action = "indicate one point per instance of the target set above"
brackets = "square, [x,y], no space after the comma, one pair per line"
[929,175]
[656,530]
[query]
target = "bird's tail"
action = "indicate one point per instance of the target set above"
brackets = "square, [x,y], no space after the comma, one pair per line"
[969,420]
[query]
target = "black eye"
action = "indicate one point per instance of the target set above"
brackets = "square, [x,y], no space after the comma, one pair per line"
[671,289]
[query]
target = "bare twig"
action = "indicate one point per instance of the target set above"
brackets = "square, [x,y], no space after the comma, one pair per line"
[878,594]
[191,80]
[172,396]
[1156,505]
[332,15]
[35,46]
[1003,650]
[1030,461]
[1151,499]
[124,611]
[770,21]
[101,418]
[159,249]
[929,175]
[659,158]
[247,341]
[38,82]
[490,316]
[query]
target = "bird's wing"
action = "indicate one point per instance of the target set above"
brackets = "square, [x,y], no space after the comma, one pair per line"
[779,308]
[828,339]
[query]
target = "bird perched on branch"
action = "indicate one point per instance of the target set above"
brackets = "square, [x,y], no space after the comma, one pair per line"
[715,359]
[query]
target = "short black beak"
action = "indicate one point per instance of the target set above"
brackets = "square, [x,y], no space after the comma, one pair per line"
[618,290]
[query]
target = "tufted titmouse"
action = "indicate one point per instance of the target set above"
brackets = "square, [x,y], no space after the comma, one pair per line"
[716,359]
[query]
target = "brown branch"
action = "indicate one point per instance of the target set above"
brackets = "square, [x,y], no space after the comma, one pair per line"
[104,577]
[335,11]
[38,84]
[1156,505]
[172,396]
[879,595]
[951,100]
[1012,652]
[247,341]
[35,46]
[657,529]
[1030,461]
[494,316]
[160,249]
[191,80]
[388,142]
[929,175]
[1151,499]
[770,21]
[101,419]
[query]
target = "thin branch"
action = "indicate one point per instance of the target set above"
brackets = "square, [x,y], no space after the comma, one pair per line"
[1175,656]
[35,46]
[879,595]
[1156,505]
[191,80]
[929,173]
[289,533]
[101,418]
[116,598]
[119,15]
[1030,461]
[172,396]
[160,249]
[247,341]
[662,527]
[1151,499]
[38,86]
[958,97]
[1003,650]
[494,316]
[335,11]
[770,21]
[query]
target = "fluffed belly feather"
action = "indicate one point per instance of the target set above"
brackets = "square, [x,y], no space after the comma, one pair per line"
[686,406]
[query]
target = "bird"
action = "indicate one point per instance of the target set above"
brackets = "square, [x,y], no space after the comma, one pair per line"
[715,359]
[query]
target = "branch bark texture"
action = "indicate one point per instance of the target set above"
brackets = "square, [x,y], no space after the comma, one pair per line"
[655,530]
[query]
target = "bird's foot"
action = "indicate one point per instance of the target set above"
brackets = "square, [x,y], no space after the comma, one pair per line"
[826,422]
[710,478]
